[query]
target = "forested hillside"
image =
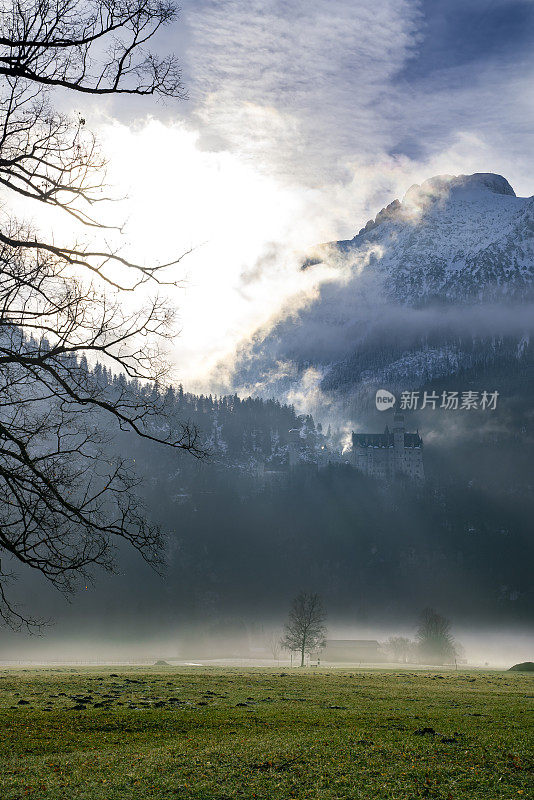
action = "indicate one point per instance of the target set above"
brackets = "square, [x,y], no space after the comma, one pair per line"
[244,529]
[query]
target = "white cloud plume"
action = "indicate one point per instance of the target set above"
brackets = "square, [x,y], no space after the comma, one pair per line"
[316,91]
[298,86]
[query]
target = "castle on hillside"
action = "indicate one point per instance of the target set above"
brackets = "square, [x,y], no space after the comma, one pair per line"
[389,454]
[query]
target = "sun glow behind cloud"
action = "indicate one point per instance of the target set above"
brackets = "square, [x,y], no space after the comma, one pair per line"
[247,230]
[241,225]
[303,121]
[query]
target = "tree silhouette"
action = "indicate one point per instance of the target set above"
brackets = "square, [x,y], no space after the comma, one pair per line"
[63,503]
[436,643]
[400,647]
[305,631]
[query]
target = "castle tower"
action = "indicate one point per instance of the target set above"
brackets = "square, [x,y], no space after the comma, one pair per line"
[398,442]
[398,425]
[390,454]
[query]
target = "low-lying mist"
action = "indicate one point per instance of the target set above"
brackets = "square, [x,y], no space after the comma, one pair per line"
[246,642]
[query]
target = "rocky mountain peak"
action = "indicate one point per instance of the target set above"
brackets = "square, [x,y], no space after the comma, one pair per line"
[440,189]
[440,261]
[442,186]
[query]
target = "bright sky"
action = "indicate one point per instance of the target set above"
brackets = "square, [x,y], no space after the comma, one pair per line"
[304,119]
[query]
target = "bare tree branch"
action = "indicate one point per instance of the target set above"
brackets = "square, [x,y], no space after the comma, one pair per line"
[94,47]
[305,630]
[64,499]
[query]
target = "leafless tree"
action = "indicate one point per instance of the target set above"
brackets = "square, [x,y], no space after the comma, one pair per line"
[273,643]
[400,648]
[305,631]
[92,46]
[63,502]
[435,640]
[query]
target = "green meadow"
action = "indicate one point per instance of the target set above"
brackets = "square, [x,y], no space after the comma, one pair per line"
[216,734]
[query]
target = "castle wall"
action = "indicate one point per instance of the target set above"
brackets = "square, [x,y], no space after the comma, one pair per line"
[376,461]
[383,457]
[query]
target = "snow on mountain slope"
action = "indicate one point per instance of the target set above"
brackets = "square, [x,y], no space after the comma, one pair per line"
[433,284]
[452,239]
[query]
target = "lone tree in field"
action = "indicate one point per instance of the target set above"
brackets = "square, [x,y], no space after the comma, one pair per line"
[435,641]
[305,631]
[400,648]
[63,503]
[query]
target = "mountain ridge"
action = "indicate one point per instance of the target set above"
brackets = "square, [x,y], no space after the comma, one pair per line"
[440,282]
[450,239]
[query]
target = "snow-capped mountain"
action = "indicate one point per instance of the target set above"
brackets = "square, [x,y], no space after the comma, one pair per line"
[452,239]
[440,282]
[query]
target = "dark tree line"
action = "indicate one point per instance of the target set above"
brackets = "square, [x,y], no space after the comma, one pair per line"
[240,539]
[232,430]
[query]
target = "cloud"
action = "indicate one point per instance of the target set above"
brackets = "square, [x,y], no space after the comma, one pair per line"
[470,34]
[316,92]
[304,119]
[295,85]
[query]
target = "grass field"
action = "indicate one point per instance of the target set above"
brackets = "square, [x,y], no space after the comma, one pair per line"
[262,733]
